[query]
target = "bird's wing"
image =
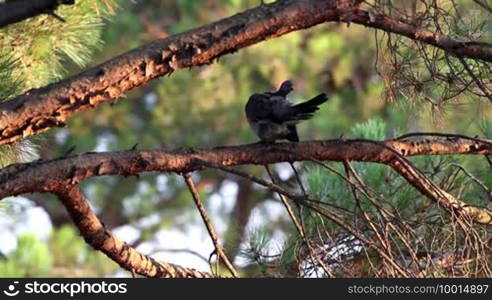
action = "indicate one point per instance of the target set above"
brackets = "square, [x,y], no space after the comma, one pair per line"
[268,107]
[292,114]
[258,108]
[281,109]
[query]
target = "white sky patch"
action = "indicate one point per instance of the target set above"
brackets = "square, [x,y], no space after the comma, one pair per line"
[35,220]
[224,201]
[214,204]
[9,241]
[162,183]
[193,238]
[104,141]
[229,190]
[150,100]
[24,218]
[220,205]
[61,136]
[127,233]
[268,210]
[143,187]
[276,243]
[149,220]
[284,171]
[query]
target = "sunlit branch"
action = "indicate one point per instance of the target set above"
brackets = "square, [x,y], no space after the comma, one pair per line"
[102,239]
[40,175]
[39,110]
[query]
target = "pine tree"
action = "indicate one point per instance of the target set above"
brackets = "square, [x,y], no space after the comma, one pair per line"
[43,49]
[34,53]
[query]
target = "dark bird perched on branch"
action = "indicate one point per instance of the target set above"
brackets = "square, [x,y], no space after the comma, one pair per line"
[273,117]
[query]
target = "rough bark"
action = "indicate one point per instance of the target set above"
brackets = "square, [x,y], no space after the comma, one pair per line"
[41,109]
[474,50]
[40,176]
[102,239]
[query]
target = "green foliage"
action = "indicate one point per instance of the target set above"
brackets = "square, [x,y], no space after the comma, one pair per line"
[9,85]
[22,151]
[33,53]
[373,129]
[257,251]
[72,254]
[485,127]
[37,51]
[31,258]
[258,242]
[330,187]
[447,171]
[204,107]
[42,46]
[64,254]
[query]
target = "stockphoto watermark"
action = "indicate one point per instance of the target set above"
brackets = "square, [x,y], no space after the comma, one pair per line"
[64,288]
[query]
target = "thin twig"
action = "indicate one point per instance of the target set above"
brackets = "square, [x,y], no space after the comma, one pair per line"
[384,242]
[473,178]
[208,224]
[299,228]
[298,178]
[484,5]
[179,250]
[300,207]
[309,204]
[480,84]
[489,160]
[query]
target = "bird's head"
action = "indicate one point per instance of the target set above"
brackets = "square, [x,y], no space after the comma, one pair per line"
[286,87]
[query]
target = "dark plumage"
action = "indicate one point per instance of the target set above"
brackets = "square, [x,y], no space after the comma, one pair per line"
[272,117]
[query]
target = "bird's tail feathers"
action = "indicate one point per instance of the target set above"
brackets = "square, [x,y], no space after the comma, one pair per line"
[305,110]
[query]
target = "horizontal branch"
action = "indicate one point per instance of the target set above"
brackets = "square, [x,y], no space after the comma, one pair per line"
[475,50]
[44,176]
[102,239]
[41,109]
[36,176]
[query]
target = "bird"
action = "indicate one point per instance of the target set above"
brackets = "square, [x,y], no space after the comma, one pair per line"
[273,117]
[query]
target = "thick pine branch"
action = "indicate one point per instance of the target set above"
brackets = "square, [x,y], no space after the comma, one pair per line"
[102,239]
[46,176]
[41,109]
[475,50]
